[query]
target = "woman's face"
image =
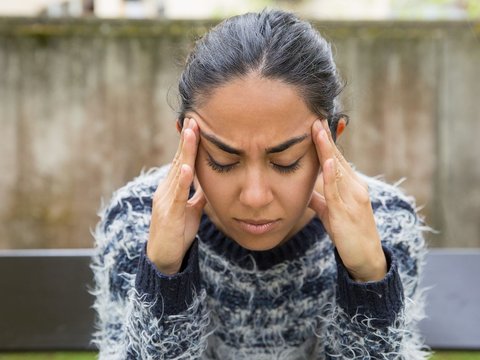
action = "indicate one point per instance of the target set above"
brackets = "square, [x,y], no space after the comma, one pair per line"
[256,161]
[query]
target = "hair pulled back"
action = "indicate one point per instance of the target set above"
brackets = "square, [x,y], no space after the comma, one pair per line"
[276,45]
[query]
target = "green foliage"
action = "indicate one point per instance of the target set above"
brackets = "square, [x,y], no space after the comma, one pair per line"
[456,355]
[473,8]
[260,4]
[49,356]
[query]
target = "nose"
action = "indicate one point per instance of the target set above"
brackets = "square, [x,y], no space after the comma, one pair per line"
[256,191]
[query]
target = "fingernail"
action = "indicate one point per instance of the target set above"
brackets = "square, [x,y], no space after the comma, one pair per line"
[317,125]
[187,123]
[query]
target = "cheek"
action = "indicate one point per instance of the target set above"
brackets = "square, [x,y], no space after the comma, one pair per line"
[303,184]
[203,174]
[218,190]
[213,185]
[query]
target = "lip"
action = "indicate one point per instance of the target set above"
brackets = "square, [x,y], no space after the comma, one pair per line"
[257,227]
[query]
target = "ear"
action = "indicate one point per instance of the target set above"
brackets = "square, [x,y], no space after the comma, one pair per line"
[341,125]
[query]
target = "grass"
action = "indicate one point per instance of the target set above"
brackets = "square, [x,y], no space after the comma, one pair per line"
[456,355]
[48,356]
[440,355]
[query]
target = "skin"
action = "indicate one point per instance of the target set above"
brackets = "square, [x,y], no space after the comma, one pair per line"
[252,114]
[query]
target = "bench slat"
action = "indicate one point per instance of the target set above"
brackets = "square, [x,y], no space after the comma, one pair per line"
[45,305]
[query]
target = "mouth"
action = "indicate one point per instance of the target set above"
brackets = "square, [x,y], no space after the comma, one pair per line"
[257,227]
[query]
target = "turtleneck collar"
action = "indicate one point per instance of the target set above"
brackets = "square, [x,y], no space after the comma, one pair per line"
[293,248]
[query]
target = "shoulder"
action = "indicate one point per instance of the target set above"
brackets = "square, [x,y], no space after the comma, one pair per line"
[385,196]
[125,218]
[396,214]
[399,224]
[134,197]
[123,229]
[401,229]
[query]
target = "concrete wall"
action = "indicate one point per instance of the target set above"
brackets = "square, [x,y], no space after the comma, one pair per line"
[85,105]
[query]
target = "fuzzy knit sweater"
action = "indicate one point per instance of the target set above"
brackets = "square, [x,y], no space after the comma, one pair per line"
[296,301]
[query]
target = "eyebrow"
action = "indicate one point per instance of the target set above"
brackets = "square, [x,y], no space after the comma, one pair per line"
[274,149]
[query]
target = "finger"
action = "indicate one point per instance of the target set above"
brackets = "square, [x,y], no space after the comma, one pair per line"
[182,138]
[182,190]
[174,172]
[345,183]
[344,163]
[190,145]
[319,185]
[318,135]
[325,148]
[198,200]
[187,158]
[189,153]
[195,128]
[176,162]
[319,204]
[327,129]
[358,187]
[331,191]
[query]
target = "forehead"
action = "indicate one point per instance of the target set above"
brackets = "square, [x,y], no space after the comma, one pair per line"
[255,111]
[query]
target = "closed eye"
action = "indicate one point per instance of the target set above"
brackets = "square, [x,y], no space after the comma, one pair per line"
[283,169]
[218,167]
[288,168]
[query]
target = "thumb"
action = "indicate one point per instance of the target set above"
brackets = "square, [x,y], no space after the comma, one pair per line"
[318,203]
[198,200]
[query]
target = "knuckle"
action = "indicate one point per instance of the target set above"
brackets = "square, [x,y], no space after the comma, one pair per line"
[363,197]
[364,186]
[334,196]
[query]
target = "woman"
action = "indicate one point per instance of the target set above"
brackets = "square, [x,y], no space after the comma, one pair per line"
[259,241]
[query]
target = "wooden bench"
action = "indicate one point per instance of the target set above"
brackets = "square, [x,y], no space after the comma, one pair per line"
[44,302]
[45,305]
[453,302]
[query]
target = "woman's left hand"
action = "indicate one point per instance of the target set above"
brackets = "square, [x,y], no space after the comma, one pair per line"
[343,205]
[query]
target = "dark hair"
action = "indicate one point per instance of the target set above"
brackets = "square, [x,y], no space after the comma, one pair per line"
[274,43]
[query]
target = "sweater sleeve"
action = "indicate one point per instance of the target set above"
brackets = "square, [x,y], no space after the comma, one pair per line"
[141,313]
[379,319]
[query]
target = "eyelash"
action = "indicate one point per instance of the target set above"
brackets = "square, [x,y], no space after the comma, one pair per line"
[226,168]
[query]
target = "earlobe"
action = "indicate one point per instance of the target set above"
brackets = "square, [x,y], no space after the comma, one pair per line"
[341,126]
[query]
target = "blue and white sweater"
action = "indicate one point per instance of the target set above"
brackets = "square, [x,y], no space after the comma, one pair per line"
[295,301]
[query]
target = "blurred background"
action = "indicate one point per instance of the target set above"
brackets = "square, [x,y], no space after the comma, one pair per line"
[207,9]
[88,98]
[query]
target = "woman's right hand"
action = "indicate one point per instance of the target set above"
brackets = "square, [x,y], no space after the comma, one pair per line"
[175,218]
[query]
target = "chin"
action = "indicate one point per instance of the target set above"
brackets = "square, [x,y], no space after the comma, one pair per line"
[259,244]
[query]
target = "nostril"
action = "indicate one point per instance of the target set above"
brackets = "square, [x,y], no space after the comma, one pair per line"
[256,197]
